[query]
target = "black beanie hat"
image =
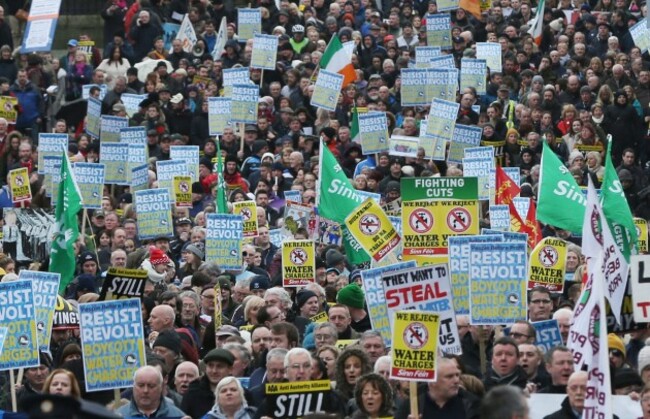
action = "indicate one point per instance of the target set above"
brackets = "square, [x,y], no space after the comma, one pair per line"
[169,339]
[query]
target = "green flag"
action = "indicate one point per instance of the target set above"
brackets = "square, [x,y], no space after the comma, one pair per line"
[560,201]
[616,209]
[62,259]
[337,199]
[355,137]
[222,205]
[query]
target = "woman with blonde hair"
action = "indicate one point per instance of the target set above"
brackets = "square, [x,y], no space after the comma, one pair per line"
[62,382]
[605,96]
[230,402]
[567,117]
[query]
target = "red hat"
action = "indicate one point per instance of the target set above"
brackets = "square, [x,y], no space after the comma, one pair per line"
[158,257]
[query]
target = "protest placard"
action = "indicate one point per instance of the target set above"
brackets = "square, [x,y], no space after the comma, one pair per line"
[479,152]
[110,128]
[641,35]
[298,399]
[52,170]
[248,212]
[642,234]
[85,91]
[491,53]
[249,23]
[513,173]
[521,205]
[434,148]
[293,196]
[442,84]
[298,263]
[373,129]
[19,185]
[233,76]
[423,56]
[166,170]
[508,236]
[414,346]
[18,315]
[497,275]
[403,146]
[445,62]
[464,137]
[90,180]
[8,108]
[265,49]
[414,87]
[373,288]
[190,155]
[459,267]
[50,145]
[299,216]
[442,119]
[223,240]
[640,284]
[473,73]
[115,157]
[321,317]
[122,284]
[182,191]
[112,342]
[133,135]
[139,177]
[244,103]
[480,168]
[131,103]
[446,5]
[45,286]
[66,316]
[153,207]
[547,264]
[373,230]
[327,90]
[547,334]
[218,115]
[426,289]
[439,30]
[40,26]
[500,217]
[93,116]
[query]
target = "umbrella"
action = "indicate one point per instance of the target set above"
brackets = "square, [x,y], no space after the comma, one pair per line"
[65,315]
[147,66]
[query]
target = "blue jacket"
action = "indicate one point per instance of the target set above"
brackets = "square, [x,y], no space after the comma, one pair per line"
[29,98]
[166,410]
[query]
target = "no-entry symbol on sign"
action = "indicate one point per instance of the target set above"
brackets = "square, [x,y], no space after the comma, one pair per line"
[459,220]
[421,220]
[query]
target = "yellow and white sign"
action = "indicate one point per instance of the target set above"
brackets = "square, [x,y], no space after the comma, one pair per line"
[427,224]
[370,225]
[183,191]
[547,264]
[642,234]
[415,342]
[298,263]
[8,110]
[248,211]
[19,184]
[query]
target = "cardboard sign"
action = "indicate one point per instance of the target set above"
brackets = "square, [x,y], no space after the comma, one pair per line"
[642,234]
[298,399]
[640,283]
[372,229]
[298,263]
[223,240]
[122,283]
[17,314]
[112,342]
[425,289]
[154,213]
[19,185]
[90,179]
[547,264]
[414,346]
[248,211]
[45,286]
[183,191]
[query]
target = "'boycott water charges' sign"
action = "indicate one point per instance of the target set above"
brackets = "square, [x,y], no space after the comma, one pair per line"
[17,313]
[223,240]
[112,341]
[45,286]
[154,213]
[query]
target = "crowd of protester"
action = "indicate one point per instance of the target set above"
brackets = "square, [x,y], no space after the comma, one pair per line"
[584,85]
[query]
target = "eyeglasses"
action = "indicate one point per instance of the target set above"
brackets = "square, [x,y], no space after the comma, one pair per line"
[323,337]
[516,335]
[539,301]
[300,366]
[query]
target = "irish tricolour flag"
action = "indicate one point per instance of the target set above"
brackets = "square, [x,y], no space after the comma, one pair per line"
[537,26]
[337,59]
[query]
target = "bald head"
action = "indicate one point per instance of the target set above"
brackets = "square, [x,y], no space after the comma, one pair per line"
[161,318]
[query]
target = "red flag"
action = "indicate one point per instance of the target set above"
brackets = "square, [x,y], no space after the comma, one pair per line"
[533,228]
[506,188]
